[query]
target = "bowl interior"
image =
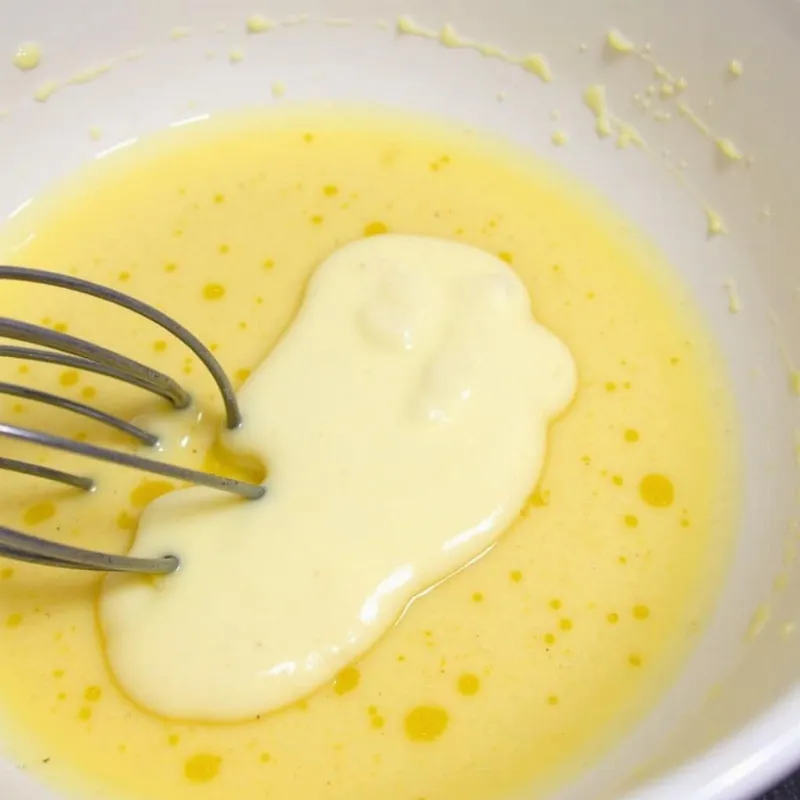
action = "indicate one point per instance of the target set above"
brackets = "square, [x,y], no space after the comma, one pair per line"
[730,723]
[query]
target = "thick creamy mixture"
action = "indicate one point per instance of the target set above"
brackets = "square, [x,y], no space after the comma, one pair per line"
[403,419]
[517,670]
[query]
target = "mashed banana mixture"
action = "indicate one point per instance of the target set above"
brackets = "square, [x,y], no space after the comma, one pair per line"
[514,672]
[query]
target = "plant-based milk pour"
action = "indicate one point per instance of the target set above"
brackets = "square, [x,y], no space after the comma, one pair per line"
[403,418]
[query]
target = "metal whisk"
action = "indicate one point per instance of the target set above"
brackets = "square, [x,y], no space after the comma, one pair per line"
[52,347]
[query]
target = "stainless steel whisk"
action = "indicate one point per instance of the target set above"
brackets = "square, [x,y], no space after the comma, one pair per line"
[52,347]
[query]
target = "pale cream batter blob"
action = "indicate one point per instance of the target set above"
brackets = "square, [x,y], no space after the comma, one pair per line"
[403,418]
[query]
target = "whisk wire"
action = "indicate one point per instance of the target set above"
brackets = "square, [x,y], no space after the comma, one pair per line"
[54,347]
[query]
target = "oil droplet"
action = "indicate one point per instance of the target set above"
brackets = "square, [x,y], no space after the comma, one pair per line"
[477,597]
[631,521]
[657,490]
[308,138]
[317,219]
[469,684]
[268,263]
[58,673]
[631,435]
[377,721]
[612,618]
[346,680]
[219,198]
[148,491]
[69,378]
[635,660]
[549,638]
[224,249]
[515,575]
[641,612]
[506,256]
[617,480]
[39,513]
[88,393]
[173,740]
[375,228]
[330,191]
[93,694]
[171,267]
[202,767]
[125,522]
[555,604]
[85,714]
[265,758]
[14,620]
[426,723]
[214,291]
[611,386]
[565,624]
[552,700]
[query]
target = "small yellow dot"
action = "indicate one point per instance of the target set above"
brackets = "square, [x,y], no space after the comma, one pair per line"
[308,138]
[549,638]
[268,263]
[631,435]
[317,219]
[214,291]
[18,408]
[202,767]
[346,680]
[14,620]
[330,191]
[242,375]
[612,618]
[6,574]
[23,369]
[617,480]
[40,512]
[88,393]
[657,490]
[635,660]
[93,694]
[61,327]
[469,684]
[58,673]
[611,386]
[377,722]
[565,624]
[69,378]
[173,740]
[426,723]
[552,700]
[641,612]
[375,228]
[631,521]
[219,198]
[160,346]
[171,267]
[555,604]
[515,575]
[85,713]
[477,597]
[124,277]
[265,758]
[224,248]
[507,257]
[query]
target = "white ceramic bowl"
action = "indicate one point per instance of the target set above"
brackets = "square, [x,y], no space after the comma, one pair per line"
[731,725]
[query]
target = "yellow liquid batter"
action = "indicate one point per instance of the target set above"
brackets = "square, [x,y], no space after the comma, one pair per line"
[515,672]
